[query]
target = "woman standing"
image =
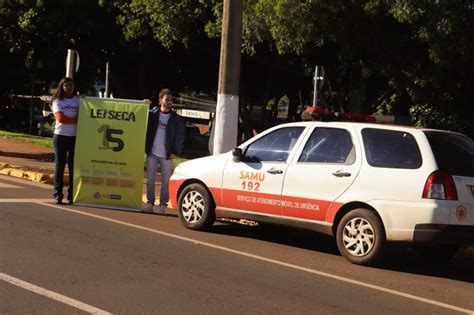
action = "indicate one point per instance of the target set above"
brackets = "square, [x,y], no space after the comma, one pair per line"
[65,109]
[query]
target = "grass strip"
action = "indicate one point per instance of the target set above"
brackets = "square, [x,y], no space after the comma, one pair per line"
[42,141]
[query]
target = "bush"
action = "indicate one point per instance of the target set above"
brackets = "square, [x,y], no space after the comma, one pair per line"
[426,116]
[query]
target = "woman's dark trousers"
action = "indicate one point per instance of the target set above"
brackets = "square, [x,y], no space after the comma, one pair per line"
[64,153]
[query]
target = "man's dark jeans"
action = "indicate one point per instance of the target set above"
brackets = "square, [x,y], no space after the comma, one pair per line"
[63,152]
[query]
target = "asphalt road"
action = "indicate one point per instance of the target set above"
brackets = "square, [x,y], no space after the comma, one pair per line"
[76,260]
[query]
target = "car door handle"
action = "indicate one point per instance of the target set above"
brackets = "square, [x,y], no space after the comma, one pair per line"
[340,173]
[275,171]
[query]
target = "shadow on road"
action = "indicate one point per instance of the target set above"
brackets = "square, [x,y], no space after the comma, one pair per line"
[400,257]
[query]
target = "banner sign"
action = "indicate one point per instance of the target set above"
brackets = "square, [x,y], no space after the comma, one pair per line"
[109,153]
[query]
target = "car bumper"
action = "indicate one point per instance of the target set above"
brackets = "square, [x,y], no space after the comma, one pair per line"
[444,234]
[174,185]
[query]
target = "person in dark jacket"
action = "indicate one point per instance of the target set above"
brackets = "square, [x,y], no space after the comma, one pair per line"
[164,142]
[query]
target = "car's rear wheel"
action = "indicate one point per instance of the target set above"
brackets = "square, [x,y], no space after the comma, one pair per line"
[360,237]
[196,207]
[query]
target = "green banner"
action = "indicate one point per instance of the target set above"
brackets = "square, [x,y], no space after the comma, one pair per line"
[109,153]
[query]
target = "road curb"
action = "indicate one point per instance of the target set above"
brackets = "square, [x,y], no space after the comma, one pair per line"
[49,157]
[38,177]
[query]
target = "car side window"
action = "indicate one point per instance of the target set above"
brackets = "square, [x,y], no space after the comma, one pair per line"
[391,149]
[275,146]
[329,145]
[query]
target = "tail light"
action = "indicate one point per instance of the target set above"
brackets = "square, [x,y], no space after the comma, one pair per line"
[440,185]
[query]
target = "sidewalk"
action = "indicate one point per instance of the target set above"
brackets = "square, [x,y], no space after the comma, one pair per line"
[36,163]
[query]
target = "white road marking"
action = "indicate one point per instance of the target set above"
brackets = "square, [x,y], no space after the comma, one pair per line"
[273,261]
[30,200]
[4,185]
[52,295]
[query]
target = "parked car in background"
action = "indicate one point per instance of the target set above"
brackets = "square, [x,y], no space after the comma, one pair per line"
[22,114]
[364,184]
[45,127]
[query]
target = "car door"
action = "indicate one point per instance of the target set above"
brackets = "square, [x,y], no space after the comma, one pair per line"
[321,171]
[254,184]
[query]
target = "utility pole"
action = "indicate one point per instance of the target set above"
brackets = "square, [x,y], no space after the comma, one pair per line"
[227,109]
[106,80]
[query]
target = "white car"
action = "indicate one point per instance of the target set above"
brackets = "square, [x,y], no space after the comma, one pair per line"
[364,184]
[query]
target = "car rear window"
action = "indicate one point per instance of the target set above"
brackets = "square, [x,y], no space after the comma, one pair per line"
[453,152]
[391,149]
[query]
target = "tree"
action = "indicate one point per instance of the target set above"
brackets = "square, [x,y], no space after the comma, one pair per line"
[442,82]
[385,56]
[168,21]
[46,29]
[401,54]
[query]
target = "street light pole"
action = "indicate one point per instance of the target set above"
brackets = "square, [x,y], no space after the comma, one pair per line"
[318,76]
[32,67]
[31,102]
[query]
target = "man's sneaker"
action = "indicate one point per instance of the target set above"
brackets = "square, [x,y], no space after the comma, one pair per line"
[162,210]
[148,208]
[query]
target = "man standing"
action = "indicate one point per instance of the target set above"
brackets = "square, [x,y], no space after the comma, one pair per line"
[164,141]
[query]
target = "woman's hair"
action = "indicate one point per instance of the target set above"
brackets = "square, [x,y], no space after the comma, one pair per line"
[59,94]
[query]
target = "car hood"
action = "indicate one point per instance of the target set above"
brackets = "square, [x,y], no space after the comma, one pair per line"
[192,168]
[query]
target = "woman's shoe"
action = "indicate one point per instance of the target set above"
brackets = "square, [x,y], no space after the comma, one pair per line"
[69,202]
[59,201]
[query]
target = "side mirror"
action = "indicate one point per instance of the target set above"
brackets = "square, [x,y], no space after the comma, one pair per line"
[237,155]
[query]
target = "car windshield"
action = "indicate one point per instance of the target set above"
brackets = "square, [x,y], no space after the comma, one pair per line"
[453,152]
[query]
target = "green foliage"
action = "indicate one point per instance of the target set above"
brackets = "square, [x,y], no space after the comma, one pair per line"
[394,55]
[37,34]
[45,142]
[385,106]
[168,21]
[427,116]
[287,25]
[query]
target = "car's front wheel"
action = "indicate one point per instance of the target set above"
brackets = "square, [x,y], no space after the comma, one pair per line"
[196,207]
[360,237]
